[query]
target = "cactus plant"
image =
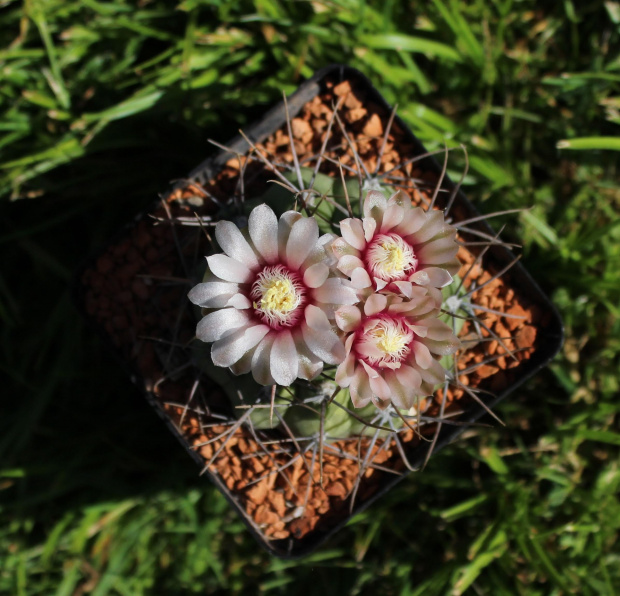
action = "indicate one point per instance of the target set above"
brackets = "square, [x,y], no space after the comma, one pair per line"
[353,339]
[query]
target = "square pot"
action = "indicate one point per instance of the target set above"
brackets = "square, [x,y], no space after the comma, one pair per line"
[134,293]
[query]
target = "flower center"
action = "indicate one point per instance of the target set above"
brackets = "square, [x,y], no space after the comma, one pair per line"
[390,258]
[390,341]
[276,296]
[279,295]
[386,342]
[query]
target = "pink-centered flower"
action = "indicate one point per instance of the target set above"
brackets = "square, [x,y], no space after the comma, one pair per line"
[396,246]
[391,349]
[271,298]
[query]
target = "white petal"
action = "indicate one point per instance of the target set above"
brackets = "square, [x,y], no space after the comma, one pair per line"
[228,350]
[412,221]
[374,304]
[348,318]
[310,365]
[443,348]
[263,228]
[435,223]
[239,301]
[360,278]
[348,263]
[421,278]
[324,344]
[220,323]
[391,218]
[345,370]
[379,387]
[304,235]
[283,361]
[370,226]
[244,364]
[405,288]
[374,205]
[437,251]
[315,275]
[379,284]
[369,350]
[352,231]
[422,354]
[321,253]
[438,330]
[348,344]
[316,318]
[371,372]
[419,330]
[434,374]
[416,307]
[212,294]
[400,198]
[409,377]
[340,247]
[333,291]
[229,269]
[287,219]
[452,266]
[401,396]
[230,238]
[361,394]
[261,370]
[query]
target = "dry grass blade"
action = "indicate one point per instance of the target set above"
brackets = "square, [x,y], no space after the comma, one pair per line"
[273,401]
[477,261]
[494,277]
[403,455]
[442,410]
[346,192]
[388,128]
[415,429]
[361,167]
[319,158]
[465,222]
[440,181]
[403,164]
[189,400]
[457,188]
[292,143]
[270,166]
[473,395]
[363,466]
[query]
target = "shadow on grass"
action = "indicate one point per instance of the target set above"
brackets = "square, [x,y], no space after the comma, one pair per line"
[73,429]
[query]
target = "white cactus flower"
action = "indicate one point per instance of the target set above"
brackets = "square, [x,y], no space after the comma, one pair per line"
[271,298]
[396,247]
[391,348]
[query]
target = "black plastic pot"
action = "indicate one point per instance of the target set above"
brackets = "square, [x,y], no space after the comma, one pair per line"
[497,257]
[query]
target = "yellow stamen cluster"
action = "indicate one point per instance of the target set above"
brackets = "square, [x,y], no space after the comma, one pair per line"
[275,296]
[395,259]
[393,339]
[278,295]
[390,340]
[390,257]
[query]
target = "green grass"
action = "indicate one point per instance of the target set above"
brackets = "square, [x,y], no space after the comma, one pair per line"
[102,103]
